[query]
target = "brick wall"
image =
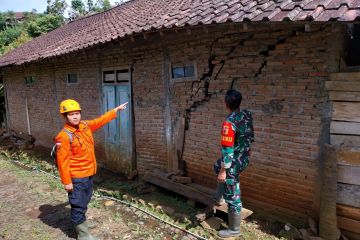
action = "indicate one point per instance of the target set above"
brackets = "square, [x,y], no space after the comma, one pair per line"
[280,70]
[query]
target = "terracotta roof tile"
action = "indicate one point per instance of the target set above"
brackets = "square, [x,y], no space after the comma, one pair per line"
[137,16]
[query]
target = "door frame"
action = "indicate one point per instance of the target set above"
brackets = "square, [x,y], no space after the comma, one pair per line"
[133,162]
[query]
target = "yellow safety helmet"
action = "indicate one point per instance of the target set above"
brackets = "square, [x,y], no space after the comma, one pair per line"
[69,105]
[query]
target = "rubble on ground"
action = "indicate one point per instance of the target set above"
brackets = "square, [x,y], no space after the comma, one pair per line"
[11,140]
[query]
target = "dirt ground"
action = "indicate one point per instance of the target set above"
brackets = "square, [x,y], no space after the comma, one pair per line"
[35,206]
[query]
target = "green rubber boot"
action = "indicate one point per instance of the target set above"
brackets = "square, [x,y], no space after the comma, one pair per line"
[83,232]
[234,226]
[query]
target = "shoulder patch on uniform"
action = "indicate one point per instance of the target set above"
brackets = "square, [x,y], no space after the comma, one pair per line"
[227,135]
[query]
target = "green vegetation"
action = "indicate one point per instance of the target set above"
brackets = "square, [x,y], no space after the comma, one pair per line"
[16,31]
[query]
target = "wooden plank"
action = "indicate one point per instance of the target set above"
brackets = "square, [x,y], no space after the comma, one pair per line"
[345,76]
[348,224]
[224,208]
[347,211]
[350,128]
[344,140]
[348,174]
[351,235]
[179,189]
[351,86]
[344,96]
[348,156]
[346,111]
[327,216]
[348,194]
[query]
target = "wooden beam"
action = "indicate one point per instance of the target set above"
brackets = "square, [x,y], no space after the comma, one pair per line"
[350,156]
[350,128]
[245,26]
[344,96]
[345,140]
[348,174]
[178,188]
[347,211]
[351,86]
[351,235]
[346,111]
[348,194]
[345,76]
[327,215]
[349,224]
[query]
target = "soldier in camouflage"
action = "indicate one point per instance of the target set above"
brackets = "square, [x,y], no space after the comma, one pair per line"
[237,136]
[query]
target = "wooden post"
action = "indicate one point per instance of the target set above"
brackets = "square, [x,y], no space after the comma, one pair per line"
[327,218]
[167,110]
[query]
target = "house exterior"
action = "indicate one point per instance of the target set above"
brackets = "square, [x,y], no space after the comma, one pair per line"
[173,61]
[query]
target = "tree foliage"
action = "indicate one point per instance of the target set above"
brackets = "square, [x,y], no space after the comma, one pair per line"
[15,32]
[56,7]
[44,24]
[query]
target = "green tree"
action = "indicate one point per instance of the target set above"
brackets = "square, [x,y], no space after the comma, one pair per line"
[7,19]
[56,7]
[90,5]
[21,39]
[77,9]
[9,35]
[44,24]
[103,5]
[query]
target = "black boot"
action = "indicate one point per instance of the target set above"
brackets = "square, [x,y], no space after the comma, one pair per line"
[218,194]
[234,226]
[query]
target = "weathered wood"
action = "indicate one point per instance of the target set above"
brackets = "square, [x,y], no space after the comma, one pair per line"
[348,194]
[351,86]
[346,111]
[185,190]
[179,179]
[349,156]
[224,208]
[344,96]
[327,218]
[345,76]
[347,211]
[348,224]
[348,174]
[178,143]
[351,235]
[345,140]
[350,128]
[200,188]
[179,188]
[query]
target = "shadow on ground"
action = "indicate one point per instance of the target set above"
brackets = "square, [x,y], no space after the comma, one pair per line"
[57,216]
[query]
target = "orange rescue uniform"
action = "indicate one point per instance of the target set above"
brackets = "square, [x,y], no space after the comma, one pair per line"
[78,160]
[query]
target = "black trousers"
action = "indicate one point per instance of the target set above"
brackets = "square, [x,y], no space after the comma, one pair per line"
[79,198]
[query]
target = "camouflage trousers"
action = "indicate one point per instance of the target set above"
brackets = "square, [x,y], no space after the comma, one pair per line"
[232,191]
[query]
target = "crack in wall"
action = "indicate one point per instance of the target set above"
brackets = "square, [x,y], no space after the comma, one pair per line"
[208,76]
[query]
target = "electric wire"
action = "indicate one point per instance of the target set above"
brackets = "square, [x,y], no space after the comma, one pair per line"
[97,195]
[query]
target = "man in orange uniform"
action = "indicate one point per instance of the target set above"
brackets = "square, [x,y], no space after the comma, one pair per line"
[76,160]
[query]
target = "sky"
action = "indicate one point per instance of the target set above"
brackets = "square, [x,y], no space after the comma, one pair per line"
[28,5]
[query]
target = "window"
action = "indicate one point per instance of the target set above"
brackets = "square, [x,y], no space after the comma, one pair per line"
[109,76]
[72,78]
[29,80]
[183,71]
[352,45]
[122,75]
[116,76]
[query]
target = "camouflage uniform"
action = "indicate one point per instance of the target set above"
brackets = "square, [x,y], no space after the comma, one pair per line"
[235,154]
